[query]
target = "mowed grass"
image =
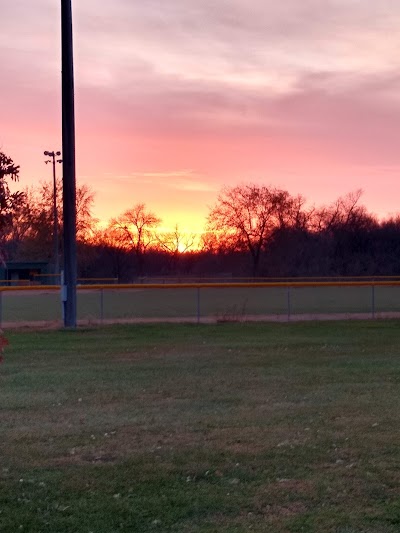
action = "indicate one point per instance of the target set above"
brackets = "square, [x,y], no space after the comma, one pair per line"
[185,428]
[234,303]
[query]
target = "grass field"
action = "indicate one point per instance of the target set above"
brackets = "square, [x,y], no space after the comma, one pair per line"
[207,303]
[211,428]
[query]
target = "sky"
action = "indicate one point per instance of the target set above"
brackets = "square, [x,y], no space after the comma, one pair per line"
[175,100]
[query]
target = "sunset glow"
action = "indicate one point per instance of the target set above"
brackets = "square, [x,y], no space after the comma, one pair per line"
[175,100]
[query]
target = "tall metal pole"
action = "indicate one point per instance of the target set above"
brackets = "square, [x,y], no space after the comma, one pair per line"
[69,180]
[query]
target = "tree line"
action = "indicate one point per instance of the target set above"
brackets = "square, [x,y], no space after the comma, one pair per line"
[252,230]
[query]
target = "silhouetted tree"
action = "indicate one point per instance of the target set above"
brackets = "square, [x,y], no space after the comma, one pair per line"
[32,234]
[9,201]
[345,229]
[112,258]
[134,229]
[246,216]
[175,243]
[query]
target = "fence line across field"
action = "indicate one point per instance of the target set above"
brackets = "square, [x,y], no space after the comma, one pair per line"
[166,286]
[270,279]
[50,279]
[198,302]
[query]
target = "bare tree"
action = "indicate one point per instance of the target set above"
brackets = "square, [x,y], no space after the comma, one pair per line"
[85,221]
[246,216]
[344,212]
[209,243]
[135,230]
[344,229]
[112,255]
[175,243]
[31,234]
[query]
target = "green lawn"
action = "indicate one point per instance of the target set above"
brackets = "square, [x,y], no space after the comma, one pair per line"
[207,303]
[185,428]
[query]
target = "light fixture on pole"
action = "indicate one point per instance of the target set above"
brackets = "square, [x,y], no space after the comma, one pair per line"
[53,160]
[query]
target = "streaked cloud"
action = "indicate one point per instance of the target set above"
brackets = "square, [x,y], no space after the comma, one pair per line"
[182,180]
[302,93]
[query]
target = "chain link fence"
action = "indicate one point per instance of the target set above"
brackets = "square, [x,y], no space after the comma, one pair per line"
[203,303]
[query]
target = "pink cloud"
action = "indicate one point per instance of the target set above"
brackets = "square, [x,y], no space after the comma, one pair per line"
[302,94]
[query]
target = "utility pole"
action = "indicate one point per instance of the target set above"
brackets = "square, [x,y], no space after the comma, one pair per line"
[53,156]
[69,180]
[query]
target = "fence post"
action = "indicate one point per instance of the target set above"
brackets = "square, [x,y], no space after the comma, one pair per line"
[101,305]
[288,303]
[198,304]
[63,294]
[373,300]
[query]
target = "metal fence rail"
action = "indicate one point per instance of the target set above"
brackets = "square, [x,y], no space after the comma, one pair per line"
[204,302]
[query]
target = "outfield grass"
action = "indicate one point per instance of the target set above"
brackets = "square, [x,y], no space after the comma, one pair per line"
[207,303]
[184,428]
